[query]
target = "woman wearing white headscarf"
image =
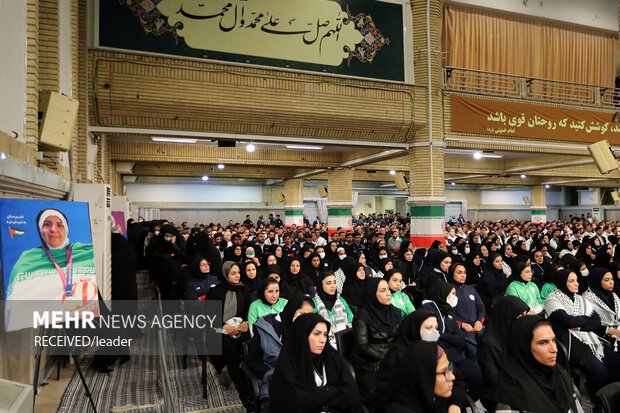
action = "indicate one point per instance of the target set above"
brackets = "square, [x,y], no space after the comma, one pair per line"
[57,270]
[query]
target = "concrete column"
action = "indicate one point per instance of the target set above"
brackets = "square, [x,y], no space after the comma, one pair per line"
[427,199]
[339,199]
[294,209]
[539,204]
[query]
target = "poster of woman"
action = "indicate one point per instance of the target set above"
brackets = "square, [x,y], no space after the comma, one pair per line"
[47,253]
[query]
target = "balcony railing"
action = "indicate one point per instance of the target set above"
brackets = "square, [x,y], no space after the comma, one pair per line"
[529,88]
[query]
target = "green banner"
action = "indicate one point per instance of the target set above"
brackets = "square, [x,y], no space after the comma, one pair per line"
[361,38]
[294,212]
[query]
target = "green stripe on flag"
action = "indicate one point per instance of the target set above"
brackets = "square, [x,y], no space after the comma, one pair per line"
[539,212]
[339,212]
[428,211]
[292,212]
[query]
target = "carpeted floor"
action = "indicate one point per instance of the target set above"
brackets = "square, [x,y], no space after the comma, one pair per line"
[135,387]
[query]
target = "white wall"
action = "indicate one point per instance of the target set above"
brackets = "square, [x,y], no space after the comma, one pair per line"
[167,193]
[600,14]
[589,197]
[503,197]
[13,67]
[65,72]
[220,216]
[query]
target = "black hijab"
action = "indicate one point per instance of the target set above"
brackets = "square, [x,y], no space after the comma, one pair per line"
[505,310]
[379,316]
[437,258]
[414,383]
[517,270]
[293,387]
[389,275]
[328,299]
[294,284]
[409,328]
[614,267]
[251,283]
[594,282]
[474,272]
[438,294]
[559,279]
[492,276]
[195,267]
[263,287]
[409,269]
[524,383]
[288,312]
[273,269]
[353,289]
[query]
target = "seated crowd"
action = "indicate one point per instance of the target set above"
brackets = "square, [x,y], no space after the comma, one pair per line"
[360,320]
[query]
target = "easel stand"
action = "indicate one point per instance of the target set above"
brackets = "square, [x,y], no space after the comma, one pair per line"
[37,368]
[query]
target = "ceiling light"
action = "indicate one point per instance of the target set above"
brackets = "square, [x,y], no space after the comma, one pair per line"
[452,183]
[205,178]
[523,176]
[484,155]
[250,147]
[174,140]
[306,147]
[547,186]
[392,172]
[2,156]
[220,166]
[477,155]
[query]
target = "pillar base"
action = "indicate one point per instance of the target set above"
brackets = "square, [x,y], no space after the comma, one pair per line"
[294,216]
[538,215]
[338,216]
[428,221]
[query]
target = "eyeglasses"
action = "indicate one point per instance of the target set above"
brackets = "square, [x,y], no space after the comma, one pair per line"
[449,369]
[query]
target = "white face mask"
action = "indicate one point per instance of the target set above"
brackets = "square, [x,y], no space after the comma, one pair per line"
[453,300]
[342,257]
[322,255]
[467,250]
[430,336]
[168,239]
[382,256]
[585,272]
[455,252]
[156,232]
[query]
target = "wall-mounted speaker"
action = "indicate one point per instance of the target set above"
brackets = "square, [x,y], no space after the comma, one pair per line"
[526,199]
[603,156]
[322,191]
[281,196]
[401,181]
[615,197]
[57,117]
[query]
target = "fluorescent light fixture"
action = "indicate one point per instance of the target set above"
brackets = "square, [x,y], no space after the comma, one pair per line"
[220,166]
[250,147]
[392,172]
[484,155]
[173,140]
[477,155]
[547,186]
[452,183]
[523,176]
[205,178]
[306,147]
[2,156]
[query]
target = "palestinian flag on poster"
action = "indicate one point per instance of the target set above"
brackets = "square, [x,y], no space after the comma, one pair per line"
[16,232]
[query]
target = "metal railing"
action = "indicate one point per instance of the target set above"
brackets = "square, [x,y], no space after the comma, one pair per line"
[529,88]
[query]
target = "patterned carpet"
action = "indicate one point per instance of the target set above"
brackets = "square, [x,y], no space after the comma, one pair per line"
[136,387]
